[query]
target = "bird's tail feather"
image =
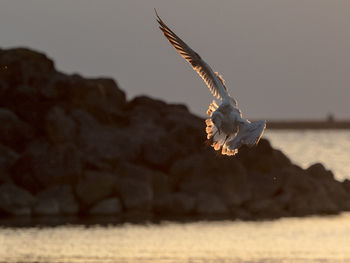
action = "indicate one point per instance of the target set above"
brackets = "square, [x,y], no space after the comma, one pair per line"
[218,139]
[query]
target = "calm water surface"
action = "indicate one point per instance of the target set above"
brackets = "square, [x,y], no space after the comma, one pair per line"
[289,240]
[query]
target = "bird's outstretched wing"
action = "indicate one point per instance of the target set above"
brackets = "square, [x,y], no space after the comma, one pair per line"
[213,80]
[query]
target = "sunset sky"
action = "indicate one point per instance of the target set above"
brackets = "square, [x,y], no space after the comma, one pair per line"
[280,59]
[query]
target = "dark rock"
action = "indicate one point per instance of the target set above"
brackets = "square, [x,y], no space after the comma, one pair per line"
[297,181]
[60,127]
[307,195]
[338,195]
[95,186]
[48,207]
[225,177]
[241,213]
[187,131]
[56,200]
[148,118]
[43,165]
[209,204]
[161,183]
[107,143]
[135,172]
[318,171]
[263,159]
[260,206]
[263,148]
[346,185]
[268,208]
[309,204]
[5,178]
[266,185]
[111,206]
[100,97]
[25,82]
[7,159]
[25,67]
[335,190]
[135,195]
[146,102]
[175,204]
[15,200]
[160,152]
[13,131]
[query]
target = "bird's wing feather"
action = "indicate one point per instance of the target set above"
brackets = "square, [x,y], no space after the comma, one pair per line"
[249,134]
[214,81]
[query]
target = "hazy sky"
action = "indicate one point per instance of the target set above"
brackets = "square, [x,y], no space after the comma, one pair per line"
[280,59]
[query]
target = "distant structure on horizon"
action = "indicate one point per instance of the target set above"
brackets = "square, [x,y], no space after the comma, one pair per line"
[329,123]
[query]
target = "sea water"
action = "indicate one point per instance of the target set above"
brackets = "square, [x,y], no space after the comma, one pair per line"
[287,240]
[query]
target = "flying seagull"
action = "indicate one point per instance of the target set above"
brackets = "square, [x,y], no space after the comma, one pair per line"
[226,130]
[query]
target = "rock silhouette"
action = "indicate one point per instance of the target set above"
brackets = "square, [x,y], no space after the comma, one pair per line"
[75,146]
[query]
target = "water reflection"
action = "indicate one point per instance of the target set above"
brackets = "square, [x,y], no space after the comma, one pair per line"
[315,239]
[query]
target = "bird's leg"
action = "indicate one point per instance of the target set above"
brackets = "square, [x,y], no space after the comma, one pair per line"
[225,139]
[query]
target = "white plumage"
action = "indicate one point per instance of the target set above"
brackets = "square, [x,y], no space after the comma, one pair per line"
[226,129]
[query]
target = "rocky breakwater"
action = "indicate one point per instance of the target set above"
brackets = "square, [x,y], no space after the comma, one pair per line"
[72,146]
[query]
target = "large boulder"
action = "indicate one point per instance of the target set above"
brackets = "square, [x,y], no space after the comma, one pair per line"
[161,151]
[135,194]
[335,190]
[263,159]
[268,207]
[25,71]
[210,204]
[168,131]
[175,204]
[264,186]
[45,207]
[13,132]
[24,84]
[43,165]
[185,130]
[223,177]
[96,186]
[8,158]
[110,206]
[307,195]
[15,200]
[56,200]
[104,143]
[60,127]
[318,171]
[160,182]
[100,97]
[144,111]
